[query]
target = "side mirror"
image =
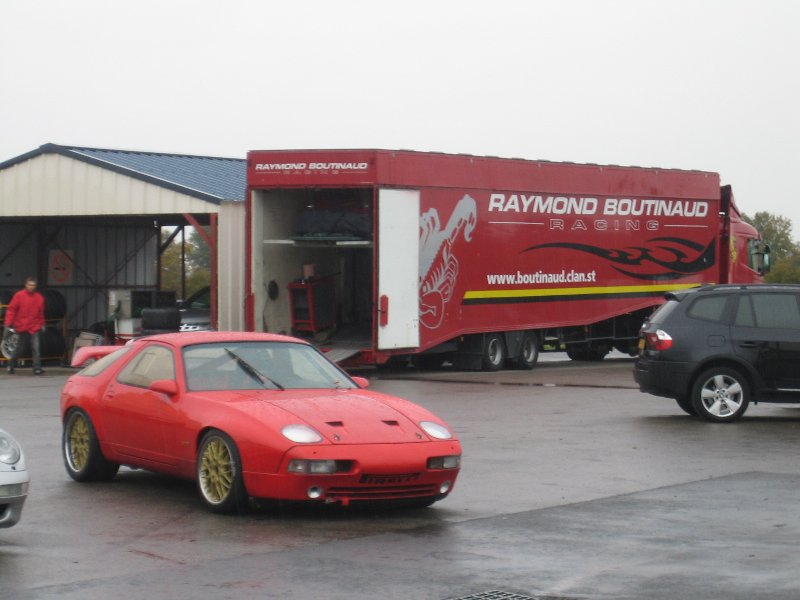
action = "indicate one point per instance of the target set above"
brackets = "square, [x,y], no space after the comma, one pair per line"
[361,382]
[765,266]
[165,386]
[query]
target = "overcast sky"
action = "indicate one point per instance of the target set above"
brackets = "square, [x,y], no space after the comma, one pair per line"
[710,85]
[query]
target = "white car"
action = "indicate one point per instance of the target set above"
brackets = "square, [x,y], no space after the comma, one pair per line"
[14,479]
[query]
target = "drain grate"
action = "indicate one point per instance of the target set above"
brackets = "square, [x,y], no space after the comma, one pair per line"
[498,595]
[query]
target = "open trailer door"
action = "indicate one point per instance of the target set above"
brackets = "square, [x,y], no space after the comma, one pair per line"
[398,269]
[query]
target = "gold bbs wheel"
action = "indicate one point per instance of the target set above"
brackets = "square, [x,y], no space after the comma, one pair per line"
[82,456]
[77,443]
[219,473]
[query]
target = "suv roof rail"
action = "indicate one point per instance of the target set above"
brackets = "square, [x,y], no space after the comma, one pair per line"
[712,287]
[709,287]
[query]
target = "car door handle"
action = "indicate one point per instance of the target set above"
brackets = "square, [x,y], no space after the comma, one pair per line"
[749,345]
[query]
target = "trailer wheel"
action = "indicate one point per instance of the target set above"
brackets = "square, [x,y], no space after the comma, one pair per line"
[630,347]
[578,352]
[494,352]
[528,352]
[598,352]
[587,352]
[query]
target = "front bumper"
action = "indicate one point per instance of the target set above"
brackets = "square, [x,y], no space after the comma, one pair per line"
[380,472]
[13,492]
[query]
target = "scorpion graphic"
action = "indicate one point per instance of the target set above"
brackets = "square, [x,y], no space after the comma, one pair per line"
[438,265]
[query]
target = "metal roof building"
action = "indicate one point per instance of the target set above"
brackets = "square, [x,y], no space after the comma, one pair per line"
[58,180]
[87,221]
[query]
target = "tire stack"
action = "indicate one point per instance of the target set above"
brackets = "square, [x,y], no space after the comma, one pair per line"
[160,320]
[55,305]
[55,311]
[8,343]
[5,298]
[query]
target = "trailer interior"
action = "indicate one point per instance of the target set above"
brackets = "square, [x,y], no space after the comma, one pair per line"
[313,275]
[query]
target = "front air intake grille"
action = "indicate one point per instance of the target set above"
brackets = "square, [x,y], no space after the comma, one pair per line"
[382,492]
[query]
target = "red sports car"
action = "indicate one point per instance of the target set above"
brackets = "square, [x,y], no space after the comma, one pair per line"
[250,415]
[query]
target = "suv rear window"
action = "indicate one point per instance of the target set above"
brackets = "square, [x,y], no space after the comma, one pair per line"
[663,311]
[709,308]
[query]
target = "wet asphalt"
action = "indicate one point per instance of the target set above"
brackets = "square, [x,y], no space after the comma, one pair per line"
[574,485]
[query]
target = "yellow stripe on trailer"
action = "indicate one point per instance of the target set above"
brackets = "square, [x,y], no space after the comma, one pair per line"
[615,290]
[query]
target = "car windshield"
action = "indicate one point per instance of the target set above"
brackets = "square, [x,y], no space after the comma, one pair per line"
[260,365]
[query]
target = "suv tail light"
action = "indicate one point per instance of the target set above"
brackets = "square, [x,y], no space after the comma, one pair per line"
[658,340]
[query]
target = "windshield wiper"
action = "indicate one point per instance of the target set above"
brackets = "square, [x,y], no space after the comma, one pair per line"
[254,373]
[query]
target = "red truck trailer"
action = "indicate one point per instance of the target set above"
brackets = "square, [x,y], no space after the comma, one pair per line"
[483,261]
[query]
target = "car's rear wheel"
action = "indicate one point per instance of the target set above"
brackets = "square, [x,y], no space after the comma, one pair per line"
[82,456]
[219,474]
[720,394]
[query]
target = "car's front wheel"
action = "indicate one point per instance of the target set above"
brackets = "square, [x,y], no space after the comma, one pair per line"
[219,474]
[720,394]
[81,450]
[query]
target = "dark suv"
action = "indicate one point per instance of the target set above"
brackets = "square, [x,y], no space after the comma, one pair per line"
[714,349]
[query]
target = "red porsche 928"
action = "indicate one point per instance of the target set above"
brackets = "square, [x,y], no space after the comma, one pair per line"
[251,415]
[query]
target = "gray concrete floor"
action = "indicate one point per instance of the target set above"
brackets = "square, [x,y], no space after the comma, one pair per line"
[574,485]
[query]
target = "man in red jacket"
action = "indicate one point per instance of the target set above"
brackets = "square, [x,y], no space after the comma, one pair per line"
[25,316]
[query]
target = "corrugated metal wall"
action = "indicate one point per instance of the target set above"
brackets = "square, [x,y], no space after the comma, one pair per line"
[17,254]
[56,204]
[104,256]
